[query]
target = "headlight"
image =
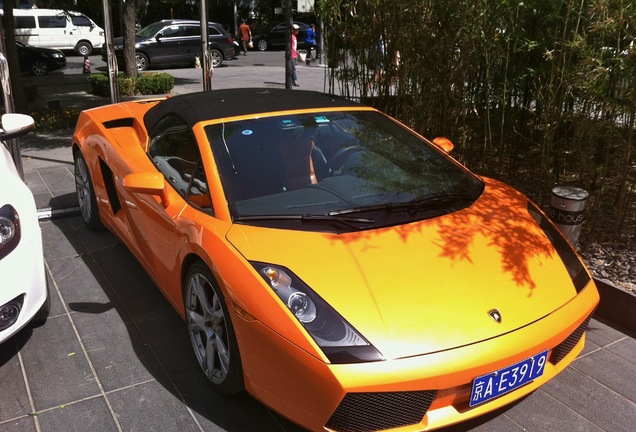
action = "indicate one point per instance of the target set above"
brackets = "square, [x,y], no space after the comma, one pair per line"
[57,55]
[9,230]
[571,260]
[340,342]
[120,47]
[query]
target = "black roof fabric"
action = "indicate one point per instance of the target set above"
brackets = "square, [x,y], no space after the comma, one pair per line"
[200,106]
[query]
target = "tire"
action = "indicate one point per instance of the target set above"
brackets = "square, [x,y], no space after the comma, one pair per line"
[142,62]
[262,45]
[41,316]
[86,194]
[39,67]
[217,58]
[211,331]
[84,48]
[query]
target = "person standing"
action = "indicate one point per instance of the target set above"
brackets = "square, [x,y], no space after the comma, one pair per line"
[294,54]
[310,40]
[245,34]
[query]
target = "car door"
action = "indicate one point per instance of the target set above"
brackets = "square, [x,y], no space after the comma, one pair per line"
[216,39]
[86,29]
[54,32]
[277,35]
[26,31]
[191,42]
[168,45]
[174,152]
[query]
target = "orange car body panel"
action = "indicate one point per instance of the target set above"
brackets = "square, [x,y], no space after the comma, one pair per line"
[461,259]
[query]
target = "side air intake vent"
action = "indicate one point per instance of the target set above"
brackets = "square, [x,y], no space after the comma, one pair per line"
[122,122]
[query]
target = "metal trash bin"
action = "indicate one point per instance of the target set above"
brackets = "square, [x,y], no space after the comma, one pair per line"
[566,210]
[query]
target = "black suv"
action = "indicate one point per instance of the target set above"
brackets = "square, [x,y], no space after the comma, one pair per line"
[176,41]
[275,38]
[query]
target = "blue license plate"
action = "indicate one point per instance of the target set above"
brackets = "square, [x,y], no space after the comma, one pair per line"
[494,384]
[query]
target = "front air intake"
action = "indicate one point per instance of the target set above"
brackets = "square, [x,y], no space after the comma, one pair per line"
[563,349]
[360,412]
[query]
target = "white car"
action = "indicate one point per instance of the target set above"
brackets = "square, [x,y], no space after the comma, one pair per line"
[24,296]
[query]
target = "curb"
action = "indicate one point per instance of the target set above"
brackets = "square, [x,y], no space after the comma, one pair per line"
[617,306]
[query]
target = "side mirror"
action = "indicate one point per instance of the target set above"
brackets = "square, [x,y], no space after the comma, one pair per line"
[146,183]
[151,183]
[15,125]
[444,143]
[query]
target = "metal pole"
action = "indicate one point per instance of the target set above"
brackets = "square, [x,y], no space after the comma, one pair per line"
[206,60]
[288,57]
[9,107]
[236,32]
[113,71]
[323,57]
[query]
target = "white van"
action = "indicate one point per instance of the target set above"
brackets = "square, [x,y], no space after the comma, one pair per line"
[55,28]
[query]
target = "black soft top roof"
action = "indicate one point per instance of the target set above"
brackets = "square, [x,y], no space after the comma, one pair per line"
[201,106]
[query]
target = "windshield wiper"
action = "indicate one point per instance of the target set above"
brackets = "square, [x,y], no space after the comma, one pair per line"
[347,221]
[416,204]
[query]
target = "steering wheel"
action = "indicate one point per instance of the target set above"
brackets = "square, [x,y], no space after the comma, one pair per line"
[339,158]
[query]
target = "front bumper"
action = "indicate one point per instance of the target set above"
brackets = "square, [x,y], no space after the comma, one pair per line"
[358,397]
[22,270]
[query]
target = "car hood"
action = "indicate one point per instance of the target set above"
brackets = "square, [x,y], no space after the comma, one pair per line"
[428,286]
[39,50]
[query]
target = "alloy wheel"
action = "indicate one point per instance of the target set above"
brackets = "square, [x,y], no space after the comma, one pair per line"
[207,327]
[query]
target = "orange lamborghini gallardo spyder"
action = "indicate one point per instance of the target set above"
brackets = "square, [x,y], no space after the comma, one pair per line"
[342,269]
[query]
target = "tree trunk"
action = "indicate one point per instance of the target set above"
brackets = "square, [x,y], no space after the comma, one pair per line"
[130,17]
[12,56]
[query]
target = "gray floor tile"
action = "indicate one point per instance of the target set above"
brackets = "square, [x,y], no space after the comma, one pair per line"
[82,239]
[59,179]
[23,424]
[54,249]
[581,393]
[120,355]
[493,422]
[131,285]
[14,401]
[602,334]
[169,340]
[83,416]
[36,184]
[57,369]
[57,307]
[609,369]
[625,349]
[540,412]
[78,284]
[232,413]
[156,409]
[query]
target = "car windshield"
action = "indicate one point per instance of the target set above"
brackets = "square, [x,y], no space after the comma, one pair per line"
[345,169]
[151,30]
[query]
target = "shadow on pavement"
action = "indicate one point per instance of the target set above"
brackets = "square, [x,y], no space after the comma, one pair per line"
[140,336]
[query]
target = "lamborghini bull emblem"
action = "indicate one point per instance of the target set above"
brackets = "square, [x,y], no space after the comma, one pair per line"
[495,315]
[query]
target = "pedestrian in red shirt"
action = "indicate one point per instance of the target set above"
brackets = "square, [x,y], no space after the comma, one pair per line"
[245,34]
